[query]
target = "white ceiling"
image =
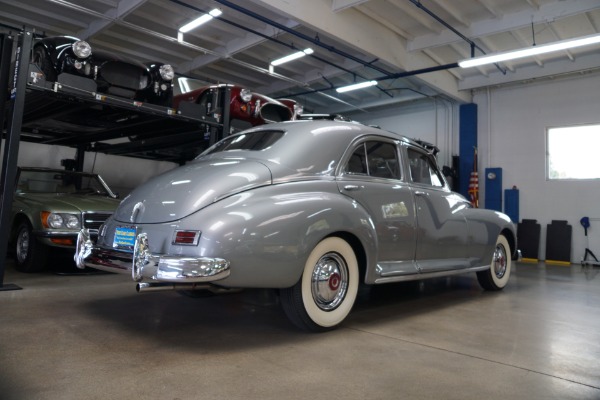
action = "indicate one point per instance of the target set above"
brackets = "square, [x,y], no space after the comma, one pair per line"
[354,40]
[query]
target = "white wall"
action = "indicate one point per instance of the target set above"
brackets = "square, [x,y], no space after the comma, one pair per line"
[122,174]
[512,123]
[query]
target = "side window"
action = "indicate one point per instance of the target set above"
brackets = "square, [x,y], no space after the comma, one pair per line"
[374,158]
[357,165]
[423,170]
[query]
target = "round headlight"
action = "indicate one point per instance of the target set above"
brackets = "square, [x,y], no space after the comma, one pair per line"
[167,72]
[82,49]
[72,222]
[245,95]
[55,220]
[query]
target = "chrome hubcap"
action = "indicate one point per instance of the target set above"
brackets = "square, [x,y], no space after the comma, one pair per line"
[500,261]
[329,282]
[22,245]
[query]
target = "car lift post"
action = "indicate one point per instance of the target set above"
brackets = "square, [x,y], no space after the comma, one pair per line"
[13,136]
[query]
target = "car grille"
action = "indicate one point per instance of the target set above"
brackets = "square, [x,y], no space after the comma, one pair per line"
[93,220]
[124,75]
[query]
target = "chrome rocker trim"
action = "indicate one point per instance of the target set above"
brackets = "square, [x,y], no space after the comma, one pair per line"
[144,265]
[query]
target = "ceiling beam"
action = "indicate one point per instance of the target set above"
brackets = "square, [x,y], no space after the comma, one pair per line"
[312,76]
[30,10]
[141,43]
[382,20]
[440,61]
[235,46]
[32,23]
[545,13]
[339,5]
[557,36]
[491,7]
[414,13]
[124,7]
[454,12]
[524,42]
[374,40]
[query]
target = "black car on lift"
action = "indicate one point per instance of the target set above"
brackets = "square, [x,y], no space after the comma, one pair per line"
[113,74]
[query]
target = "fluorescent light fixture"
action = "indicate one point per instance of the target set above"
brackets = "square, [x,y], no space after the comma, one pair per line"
[200,20]
[530,51]
[356,86]
[292,56]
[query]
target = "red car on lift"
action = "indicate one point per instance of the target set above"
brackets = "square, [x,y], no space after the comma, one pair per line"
[246,108]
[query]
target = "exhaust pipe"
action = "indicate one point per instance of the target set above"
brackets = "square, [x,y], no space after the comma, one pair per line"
[156,287]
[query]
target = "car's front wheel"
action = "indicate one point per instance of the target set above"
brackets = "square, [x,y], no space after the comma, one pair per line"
[30,255]
[41,59]
[497,276]
[326,292]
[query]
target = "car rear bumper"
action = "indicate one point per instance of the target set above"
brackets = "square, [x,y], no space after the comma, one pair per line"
[146,266]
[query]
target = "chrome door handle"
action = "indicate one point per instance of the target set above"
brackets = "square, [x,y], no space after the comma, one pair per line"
[419,193]
[351,187]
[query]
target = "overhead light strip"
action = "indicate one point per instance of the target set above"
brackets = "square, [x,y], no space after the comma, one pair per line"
[200,20]
[530,51]
[291,57]
[356,86]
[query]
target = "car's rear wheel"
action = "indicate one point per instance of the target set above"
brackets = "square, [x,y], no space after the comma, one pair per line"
[30,255]
[497,276]
[326,292]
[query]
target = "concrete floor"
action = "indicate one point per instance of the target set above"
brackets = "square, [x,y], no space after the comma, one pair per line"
[93,337]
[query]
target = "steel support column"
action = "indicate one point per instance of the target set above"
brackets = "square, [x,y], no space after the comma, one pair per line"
[11,144]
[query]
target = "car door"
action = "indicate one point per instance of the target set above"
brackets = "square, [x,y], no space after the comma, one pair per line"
[442,232]
[372,175]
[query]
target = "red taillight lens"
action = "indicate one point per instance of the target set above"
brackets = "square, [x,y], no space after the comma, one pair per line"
[186,238]
[62,241]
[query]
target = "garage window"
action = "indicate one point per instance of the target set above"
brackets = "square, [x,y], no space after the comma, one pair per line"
[572,152]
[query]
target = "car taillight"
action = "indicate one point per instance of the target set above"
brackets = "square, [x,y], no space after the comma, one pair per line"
[186,238]
[63,241]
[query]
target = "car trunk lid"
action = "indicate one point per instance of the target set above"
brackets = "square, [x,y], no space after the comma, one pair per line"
[187,189]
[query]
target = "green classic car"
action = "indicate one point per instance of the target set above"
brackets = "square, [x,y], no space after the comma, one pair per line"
[50,207]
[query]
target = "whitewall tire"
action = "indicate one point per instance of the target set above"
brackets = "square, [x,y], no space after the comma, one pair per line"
[497,276]
[325,294]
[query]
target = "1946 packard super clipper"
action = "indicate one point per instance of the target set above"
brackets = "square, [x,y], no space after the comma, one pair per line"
[311,208]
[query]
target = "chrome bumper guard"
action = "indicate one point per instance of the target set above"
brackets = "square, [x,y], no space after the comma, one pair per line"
[144,265]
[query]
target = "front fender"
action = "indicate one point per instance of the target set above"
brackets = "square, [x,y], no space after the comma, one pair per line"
[484,228]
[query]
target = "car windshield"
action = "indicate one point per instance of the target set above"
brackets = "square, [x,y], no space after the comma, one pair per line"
[38,181]
[252,141]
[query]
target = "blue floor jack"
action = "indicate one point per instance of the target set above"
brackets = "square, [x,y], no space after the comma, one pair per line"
[585,222]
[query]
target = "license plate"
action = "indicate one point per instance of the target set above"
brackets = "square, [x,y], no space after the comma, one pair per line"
[124,237]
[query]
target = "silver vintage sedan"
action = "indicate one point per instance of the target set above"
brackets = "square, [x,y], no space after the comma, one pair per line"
[311,208]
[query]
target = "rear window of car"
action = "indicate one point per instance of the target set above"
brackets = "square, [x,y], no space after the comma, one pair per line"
[255,141]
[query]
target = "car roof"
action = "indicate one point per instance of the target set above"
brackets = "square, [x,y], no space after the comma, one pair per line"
[311,147]
[351,129]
